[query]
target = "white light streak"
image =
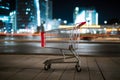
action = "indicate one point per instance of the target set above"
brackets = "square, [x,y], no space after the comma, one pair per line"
[38,12]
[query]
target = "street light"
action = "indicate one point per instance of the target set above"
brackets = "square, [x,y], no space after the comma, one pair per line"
[105,22]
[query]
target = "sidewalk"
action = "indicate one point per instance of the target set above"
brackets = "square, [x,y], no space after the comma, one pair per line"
[30,67]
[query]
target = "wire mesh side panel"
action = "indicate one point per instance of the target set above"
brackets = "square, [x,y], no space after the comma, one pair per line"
[75,37]
[68,36]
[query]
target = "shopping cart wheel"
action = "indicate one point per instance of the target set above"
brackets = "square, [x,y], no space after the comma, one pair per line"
[77,66]
[47,66]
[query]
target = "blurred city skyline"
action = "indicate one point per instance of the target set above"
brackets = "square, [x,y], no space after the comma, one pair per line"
[63,9]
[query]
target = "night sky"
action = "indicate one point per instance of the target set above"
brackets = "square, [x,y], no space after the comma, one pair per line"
[63,9]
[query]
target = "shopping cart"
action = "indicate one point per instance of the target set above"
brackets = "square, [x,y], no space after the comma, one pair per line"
[71,36]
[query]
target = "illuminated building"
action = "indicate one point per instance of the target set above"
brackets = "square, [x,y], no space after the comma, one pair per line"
[4,10]
[12,20]
[89,15]
[4,15]
[26,14]
[30,13]
[85,14]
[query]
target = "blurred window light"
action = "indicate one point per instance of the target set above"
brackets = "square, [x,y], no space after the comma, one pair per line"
[3,7]
[28,9]
[4,18]
[26,13]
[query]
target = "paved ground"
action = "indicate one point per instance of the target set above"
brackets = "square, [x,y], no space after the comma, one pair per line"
[30,67]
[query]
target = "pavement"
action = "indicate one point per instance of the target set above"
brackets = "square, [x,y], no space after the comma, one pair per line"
[31,67]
